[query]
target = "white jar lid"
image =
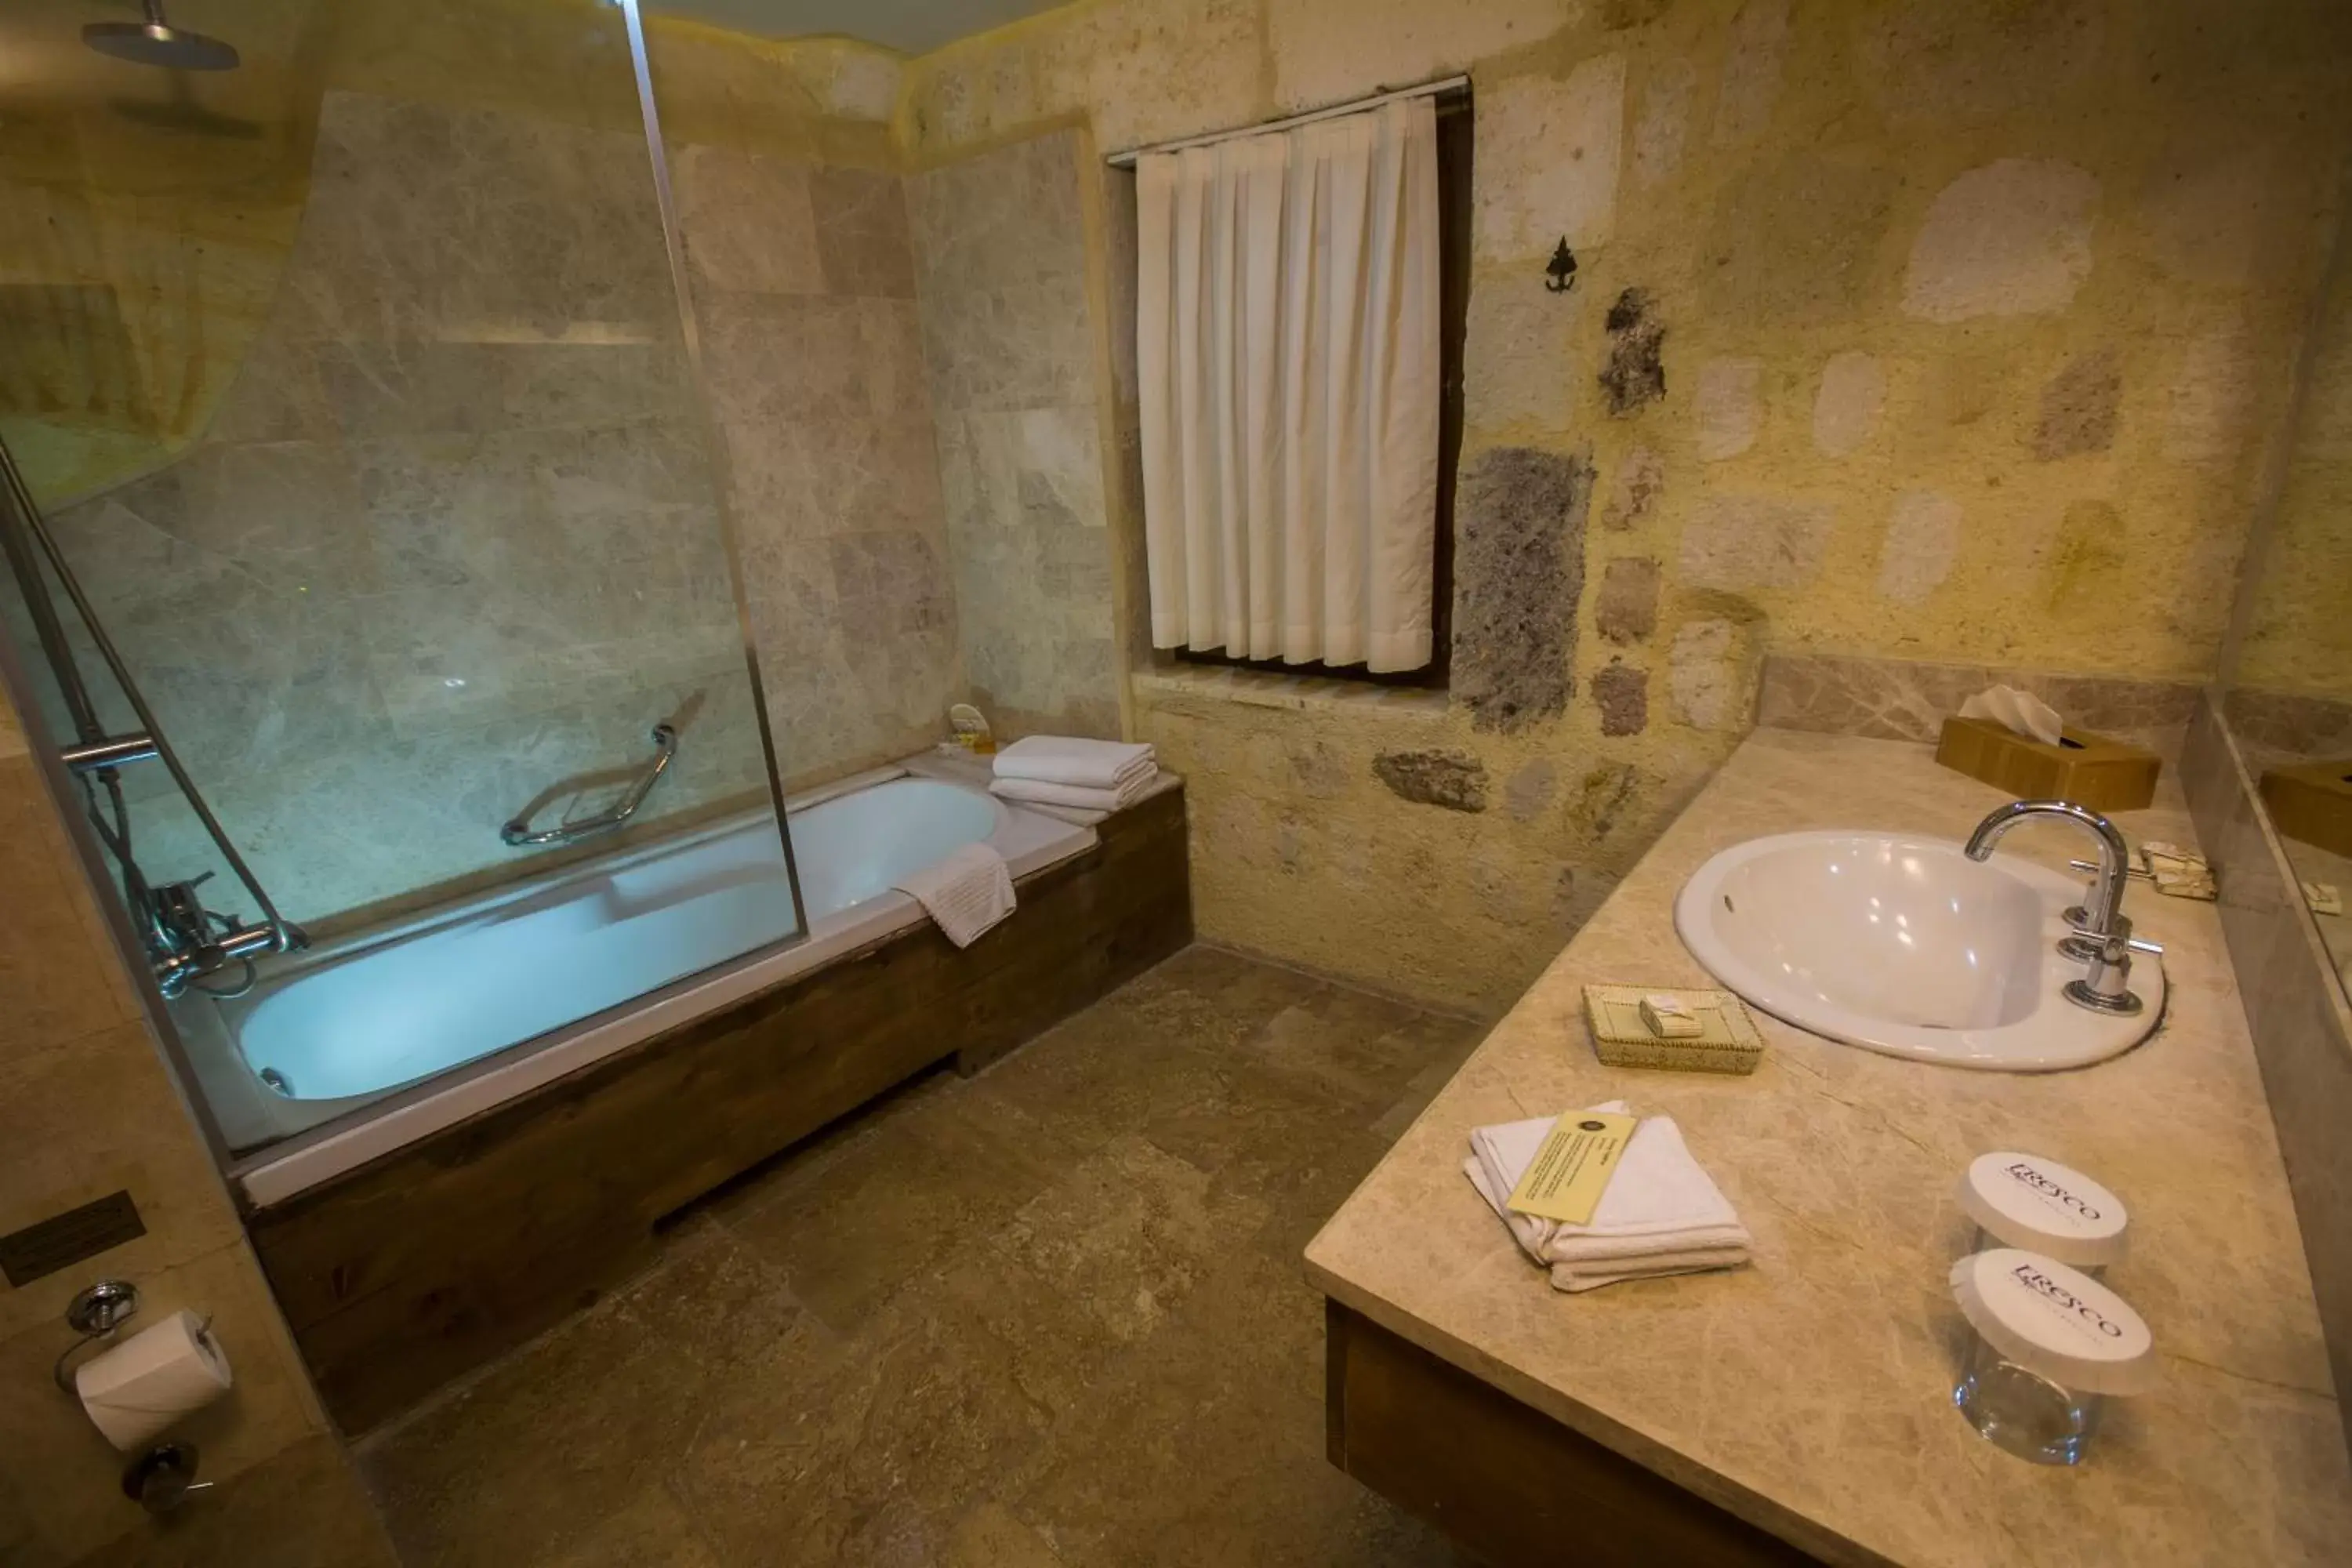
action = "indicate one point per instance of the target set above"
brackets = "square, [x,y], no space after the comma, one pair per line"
[2049,1209]
[2055,1320]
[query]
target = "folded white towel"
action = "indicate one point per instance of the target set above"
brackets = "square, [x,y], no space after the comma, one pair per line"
[1070,760]
[1076,816]
[1080,796]
[966,893]
[1661,1213]
[1678,1256]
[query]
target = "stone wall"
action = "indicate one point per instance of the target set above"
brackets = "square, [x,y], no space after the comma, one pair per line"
[2297,640]
[1919,329]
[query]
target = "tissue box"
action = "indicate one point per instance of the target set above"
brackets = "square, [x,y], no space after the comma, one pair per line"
[2089,769]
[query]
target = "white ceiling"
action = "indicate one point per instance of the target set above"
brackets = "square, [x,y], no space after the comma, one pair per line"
[911,27]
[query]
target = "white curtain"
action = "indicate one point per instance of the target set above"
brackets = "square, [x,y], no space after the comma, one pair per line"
[1288,346]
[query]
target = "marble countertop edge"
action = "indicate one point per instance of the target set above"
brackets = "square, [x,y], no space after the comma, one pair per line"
[1743,1387]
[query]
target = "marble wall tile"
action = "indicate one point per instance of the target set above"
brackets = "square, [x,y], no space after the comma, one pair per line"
[87,1108]
[2294,1007]
[817,384]
[748,222]
[68,1474]
[431,222]
[2288,724]
[1000,255]
[1904,700]
[467,543]
[862,241]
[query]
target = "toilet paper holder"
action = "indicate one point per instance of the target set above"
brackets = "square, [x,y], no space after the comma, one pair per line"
[95,1313]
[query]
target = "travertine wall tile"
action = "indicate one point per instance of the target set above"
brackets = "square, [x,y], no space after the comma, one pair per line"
[1008,337]
[1324,53]
[1549,153]
[87,1108]
[2013,238]
[1922,537]
[1739,541]
[1847,406]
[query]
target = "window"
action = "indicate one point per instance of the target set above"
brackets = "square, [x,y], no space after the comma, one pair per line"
[1302,296]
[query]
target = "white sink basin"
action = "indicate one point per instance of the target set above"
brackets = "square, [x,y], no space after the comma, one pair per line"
[1906,946]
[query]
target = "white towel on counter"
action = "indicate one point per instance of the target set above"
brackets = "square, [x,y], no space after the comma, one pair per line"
[1070,760]
[1079,797]
[1661,1213]
[966,893]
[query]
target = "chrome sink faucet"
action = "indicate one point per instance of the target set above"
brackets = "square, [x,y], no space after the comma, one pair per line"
[2104,939]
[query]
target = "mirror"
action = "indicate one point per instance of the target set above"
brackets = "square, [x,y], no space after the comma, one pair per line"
[2289,675]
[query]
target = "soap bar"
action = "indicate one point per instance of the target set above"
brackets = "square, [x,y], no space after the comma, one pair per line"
[1668,1017]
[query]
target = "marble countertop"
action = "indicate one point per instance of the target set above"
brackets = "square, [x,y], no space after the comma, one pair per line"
[1811,1392]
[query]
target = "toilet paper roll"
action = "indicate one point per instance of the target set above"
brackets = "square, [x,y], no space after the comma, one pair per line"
[154,1378]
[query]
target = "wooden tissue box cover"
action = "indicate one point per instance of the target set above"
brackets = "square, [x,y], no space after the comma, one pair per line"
[2089,769]
[2312,803]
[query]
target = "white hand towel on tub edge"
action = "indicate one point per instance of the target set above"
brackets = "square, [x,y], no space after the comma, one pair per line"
[1073,759]
[967,893]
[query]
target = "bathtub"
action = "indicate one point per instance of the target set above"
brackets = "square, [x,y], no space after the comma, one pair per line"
[382,1038]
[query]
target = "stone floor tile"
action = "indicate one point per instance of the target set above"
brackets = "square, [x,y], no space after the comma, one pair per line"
[880,1213]
[876,1460]
[1127,1233]
[297,1510]
[651,1530]
[990,1537]
[532,1459]
[1051,1317]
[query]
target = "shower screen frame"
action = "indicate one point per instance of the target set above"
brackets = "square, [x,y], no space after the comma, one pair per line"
[21,682]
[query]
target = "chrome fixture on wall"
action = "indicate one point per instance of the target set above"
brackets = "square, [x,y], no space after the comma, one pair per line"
[185,942]
[155,42]
[518,833]
[2103,937]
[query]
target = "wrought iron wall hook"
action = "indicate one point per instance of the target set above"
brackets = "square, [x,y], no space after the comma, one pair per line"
[1560,273]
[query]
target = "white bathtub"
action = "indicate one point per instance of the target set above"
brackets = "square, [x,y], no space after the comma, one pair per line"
[435,1020]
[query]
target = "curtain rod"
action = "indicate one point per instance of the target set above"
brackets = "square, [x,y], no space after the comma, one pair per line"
[1426,90]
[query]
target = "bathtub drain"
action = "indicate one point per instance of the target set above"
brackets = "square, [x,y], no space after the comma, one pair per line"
[277,1081]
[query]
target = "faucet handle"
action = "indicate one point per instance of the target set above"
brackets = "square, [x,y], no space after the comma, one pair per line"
[2106,985]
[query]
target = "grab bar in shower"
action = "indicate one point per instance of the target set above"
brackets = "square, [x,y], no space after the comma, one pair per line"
[518,833]
[108,752]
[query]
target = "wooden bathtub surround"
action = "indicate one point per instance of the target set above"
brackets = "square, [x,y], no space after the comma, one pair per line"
[419,1267]
[1504,1478]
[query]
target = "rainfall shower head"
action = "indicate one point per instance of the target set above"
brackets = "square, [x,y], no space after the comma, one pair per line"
[155,42]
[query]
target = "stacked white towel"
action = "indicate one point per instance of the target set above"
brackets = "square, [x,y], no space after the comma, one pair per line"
[1073,772]
[967,893]
[1661,1213]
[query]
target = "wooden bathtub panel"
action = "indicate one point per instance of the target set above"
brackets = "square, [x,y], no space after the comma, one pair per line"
[421,1266]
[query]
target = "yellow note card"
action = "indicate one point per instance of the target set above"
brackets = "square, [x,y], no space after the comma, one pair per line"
[1565,1180]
